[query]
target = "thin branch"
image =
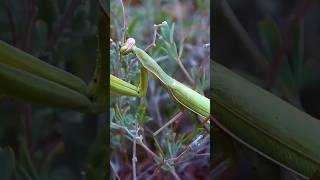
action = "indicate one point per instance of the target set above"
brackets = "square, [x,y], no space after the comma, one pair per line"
[202,154]
[124,23]
[175,175]
[138,139]
[200,140]
[154,36]
[146,171]
[153,44]
[201,70]
[156,101]
[184,70]
[134,151]
[177,116]
[114,171]
[140,142]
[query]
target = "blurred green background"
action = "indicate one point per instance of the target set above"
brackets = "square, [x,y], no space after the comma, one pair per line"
[44,143]
[274,44]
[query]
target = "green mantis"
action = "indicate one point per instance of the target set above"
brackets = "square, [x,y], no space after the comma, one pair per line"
[184,95]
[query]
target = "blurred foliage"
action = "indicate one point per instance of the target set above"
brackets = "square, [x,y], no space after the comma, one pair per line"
[45,143]
[286,34]
[183,37]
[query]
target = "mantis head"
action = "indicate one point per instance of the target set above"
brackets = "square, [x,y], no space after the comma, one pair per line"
[127,47]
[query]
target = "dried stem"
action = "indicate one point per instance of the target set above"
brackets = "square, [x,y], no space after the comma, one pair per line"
[184,70]
[177,116]
[140,142]
[114,171]
[138,139]
[134,151]
[154,37]
[175,175]
[124,23]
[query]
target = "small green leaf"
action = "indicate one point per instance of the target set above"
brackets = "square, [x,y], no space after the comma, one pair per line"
[181,48]
[132,26]
[171,33]
[165,31]
[174,50]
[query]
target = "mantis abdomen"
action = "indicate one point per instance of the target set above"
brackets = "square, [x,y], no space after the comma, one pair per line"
[190,99]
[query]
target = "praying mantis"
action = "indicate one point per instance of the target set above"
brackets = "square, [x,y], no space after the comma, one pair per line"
[184,95]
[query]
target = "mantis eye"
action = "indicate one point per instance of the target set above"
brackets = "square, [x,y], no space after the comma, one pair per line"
[127,47]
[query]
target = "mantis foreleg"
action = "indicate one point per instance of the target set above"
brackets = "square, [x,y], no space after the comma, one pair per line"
[121,87]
